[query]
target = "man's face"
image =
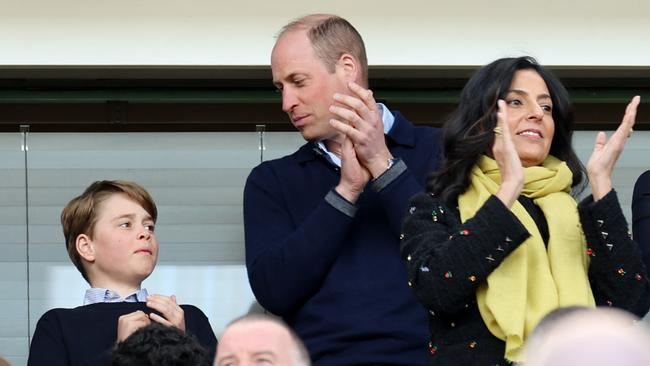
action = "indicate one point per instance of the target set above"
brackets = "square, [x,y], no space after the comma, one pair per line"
[256,343]
[124,243]
[306,84]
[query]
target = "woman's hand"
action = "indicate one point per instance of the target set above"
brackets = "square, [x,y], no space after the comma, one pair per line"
[606,153]
[507,158]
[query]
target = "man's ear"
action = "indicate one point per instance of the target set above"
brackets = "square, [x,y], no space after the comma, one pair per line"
[349,66]
[85,247]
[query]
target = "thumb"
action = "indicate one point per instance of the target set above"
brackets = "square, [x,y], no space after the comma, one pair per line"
[601,138]
[347,148]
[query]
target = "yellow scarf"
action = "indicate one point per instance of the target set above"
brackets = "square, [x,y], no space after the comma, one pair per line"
[532,281]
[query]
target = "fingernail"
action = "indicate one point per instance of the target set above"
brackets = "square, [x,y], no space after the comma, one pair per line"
[337,96]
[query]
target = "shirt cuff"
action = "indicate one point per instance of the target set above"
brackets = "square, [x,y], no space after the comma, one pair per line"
[338,202]
[388,176]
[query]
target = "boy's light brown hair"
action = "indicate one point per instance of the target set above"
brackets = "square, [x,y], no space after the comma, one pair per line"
[80,215]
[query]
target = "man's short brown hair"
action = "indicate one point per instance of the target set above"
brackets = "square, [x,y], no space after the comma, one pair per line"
[80,215]
[331,37]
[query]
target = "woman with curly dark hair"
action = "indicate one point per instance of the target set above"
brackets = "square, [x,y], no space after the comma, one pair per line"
[498,241]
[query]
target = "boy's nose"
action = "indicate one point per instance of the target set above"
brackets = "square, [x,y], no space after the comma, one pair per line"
[144,234]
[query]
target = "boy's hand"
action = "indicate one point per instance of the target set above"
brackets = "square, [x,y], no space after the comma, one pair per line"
[129,323]
[173,315]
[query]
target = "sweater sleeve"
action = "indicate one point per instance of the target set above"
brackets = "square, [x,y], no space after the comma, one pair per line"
[617,274]
[199,326]
[641,215]
[395,187]
[51,347]
[287,261]
[447,260]
[47,347]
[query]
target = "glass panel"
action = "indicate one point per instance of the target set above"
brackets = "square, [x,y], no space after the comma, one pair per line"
[13,251]
[631,164]
[279,144]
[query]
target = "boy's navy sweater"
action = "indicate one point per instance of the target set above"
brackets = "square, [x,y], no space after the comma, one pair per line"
[86,334]
[339,280]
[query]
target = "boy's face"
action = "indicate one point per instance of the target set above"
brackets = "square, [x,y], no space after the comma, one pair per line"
[124,243]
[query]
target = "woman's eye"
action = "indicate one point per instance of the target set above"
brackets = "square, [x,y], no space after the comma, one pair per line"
[514,102]
[547,108]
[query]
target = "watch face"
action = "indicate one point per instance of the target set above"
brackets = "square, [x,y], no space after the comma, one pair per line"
[391,162]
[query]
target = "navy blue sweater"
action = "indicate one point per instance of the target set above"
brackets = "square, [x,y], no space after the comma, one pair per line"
[641,215]
[334,276]
[86,335]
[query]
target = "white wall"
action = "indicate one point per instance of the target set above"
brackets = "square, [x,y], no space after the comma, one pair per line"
[407,32]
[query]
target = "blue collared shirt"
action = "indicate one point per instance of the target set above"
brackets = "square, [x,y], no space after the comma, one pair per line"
[102,295]
[386,116]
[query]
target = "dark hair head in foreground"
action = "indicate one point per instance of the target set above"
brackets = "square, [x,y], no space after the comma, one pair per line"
[160,345]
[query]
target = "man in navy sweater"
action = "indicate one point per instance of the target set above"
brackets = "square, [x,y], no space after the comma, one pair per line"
[322,225]
[641,215]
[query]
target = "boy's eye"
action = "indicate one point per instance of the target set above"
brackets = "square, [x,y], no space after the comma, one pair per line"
[150,227]
[125,225]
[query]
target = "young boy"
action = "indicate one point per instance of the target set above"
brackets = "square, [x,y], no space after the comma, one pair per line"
[110,238]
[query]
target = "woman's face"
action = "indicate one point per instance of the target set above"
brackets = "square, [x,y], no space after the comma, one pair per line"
[530,117]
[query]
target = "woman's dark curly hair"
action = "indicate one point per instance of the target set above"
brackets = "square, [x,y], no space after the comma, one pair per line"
[468,133]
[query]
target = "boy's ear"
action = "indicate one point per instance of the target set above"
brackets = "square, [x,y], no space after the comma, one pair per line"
[349,66]
[85,247]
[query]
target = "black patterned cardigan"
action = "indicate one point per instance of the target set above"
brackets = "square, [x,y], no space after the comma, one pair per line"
[446,261]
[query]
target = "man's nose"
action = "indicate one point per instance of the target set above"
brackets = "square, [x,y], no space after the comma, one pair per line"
[289,100]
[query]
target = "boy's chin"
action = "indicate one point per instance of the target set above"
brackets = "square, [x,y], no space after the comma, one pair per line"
[144,273]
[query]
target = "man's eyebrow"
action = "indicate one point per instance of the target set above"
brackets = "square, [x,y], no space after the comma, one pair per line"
[264,353]
[226,358]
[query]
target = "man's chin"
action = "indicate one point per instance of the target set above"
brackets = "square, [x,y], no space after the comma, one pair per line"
[308,135]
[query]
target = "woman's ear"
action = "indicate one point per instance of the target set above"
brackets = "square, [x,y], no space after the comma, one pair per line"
[85,247]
